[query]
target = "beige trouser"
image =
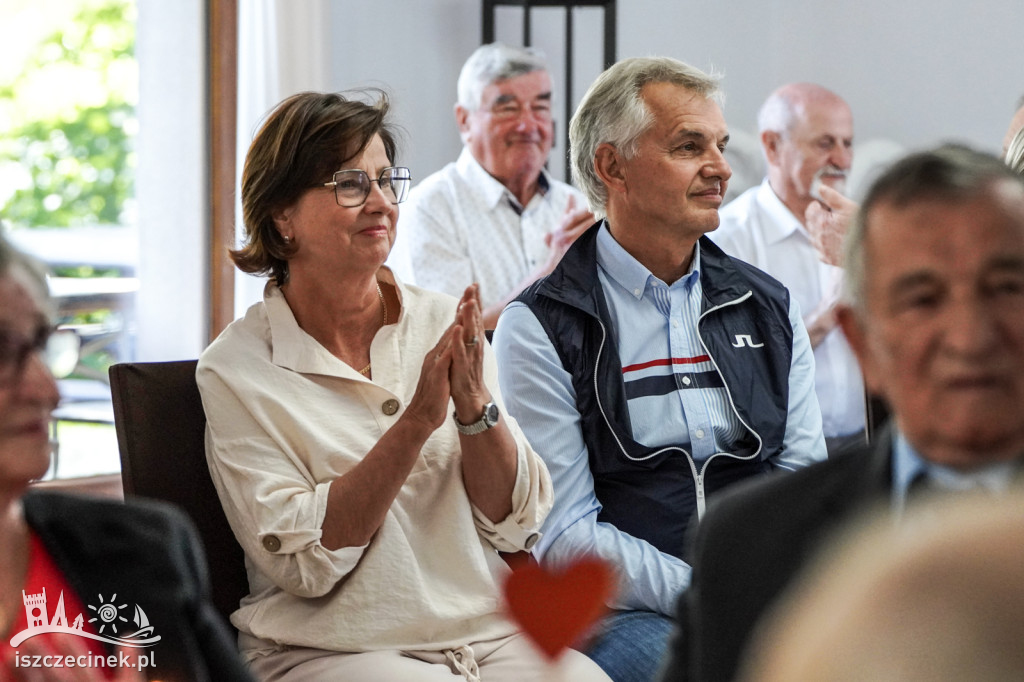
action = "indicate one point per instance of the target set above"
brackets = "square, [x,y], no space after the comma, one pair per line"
[511,659]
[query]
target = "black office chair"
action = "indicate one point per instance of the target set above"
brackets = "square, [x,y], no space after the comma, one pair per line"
[160,424]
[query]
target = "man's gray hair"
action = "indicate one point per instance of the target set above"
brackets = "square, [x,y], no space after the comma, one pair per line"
[613,111]
[951,173]
[492,63]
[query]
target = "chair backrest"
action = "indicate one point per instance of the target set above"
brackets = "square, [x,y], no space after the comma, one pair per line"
[160,425]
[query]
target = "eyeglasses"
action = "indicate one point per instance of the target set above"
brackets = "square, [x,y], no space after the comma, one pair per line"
[58,349]
[352,187]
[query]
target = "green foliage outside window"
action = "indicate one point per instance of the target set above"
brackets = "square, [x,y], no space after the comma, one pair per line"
[67,123]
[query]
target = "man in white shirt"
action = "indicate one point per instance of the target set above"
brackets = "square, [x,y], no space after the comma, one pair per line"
[494,216]
[806,133]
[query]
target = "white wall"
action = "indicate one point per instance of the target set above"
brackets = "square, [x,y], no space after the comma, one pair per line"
[916,71]
[171,182]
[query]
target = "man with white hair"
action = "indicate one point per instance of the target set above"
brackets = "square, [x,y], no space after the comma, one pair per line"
[783,227]
[494,216]
[650,370]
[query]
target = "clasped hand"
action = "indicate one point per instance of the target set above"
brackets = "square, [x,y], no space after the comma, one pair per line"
[454,368]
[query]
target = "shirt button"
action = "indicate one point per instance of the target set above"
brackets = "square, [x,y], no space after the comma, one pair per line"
[675,323]
[636,292]
[686,380]
[699,433]
[389,407]
[271,543]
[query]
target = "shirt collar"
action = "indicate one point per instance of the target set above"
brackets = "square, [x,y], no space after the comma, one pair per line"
[781,223]
[292,347]
[908,465]
[627,271]
[491,189]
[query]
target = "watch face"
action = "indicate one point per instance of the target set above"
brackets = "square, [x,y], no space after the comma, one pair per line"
[491,414]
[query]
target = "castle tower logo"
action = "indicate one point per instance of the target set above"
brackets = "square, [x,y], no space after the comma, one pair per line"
[110,621]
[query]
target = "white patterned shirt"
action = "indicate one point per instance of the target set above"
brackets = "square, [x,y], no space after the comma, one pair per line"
[461,225]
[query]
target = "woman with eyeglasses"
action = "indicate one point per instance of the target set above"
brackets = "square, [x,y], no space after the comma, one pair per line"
[76,573]
[355,433]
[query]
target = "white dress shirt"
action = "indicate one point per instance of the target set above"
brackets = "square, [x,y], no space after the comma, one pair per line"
[758,228]
[461,225]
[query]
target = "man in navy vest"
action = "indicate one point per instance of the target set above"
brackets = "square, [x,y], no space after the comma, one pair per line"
[650,370]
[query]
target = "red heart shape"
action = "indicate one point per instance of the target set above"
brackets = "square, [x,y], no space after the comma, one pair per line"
[556,608]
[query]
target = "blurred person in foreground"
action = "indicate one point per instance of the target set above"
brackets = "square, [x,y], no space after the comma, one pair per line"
[934,308]
[495,216]
[355,432]
[80,557]
[652,370]
[938,597]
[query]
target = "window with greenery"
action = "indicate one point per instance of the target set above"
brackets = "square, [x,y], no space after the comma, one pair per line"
[66,156]
[68,91]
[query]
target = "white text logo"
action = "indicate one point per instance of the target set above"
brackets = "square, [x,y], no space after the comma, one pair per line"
[745,340]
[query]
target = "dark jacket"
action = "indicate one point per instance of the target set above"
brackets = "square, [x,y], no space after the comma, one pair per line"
[754,540]
[147,554]
[647,492]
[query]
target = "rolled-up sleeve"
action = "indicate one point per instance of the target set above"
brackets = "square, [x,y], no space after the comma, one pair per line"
[532,494]
[274,509]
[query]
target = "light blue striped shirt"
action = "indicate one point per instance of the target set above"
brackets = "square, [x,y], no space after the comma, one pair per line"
[662,357]
[672,364]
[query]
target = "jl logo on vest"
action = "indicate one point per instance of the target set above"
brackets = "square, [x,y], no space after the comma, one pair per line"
[745,340]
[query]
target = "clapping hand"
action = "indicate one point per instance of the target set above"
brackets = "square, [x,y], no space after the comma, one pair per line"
[575,222]
[468,390]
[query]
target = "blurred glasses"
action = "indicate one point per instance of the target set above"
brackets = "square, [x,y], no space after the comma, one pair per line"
[58,349]
[506,109]
[352,187]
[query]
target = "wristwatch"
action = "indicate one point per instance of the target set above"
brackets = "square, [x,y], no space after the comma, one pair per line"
[487,421]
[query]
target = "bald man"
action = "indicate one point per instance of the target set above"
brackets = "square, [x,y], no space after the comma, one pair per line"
[806,133]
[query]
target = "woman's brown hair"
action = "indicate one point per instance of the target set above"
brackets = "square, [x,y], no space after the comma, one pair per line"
[299,146]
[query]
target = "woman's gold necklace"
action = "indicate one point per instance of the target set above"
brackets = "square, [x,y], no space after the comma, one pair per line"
[365,371]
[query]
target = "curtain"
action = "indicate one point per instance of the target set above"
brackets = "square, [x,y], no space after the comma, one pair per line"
[283,49]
